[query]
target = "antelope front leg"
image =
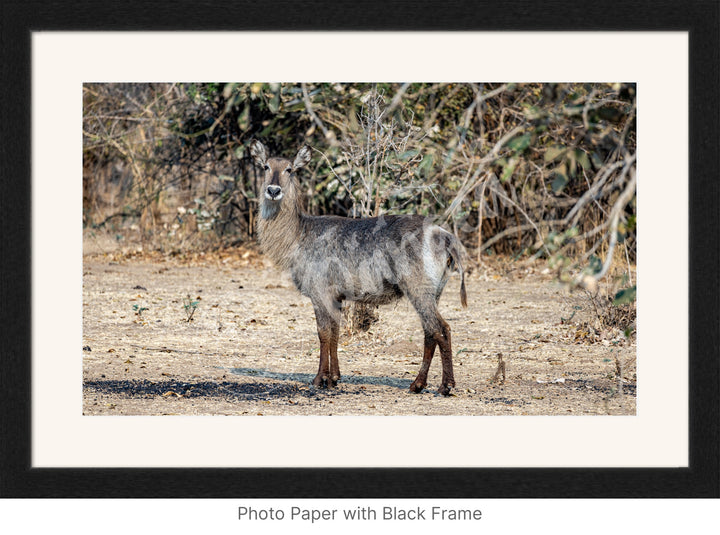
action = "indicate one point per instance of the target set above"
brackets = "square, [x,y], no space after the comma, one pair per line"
[328,328]
[334,376]
[323,373]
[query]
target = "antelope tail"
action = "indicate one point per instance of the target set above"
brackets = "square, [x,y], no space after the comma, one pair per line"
[456,258]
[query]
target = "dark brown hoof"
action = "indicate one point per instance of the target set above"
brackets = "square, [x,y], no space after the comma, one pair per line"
[445,389]
[416,388]
[319,381]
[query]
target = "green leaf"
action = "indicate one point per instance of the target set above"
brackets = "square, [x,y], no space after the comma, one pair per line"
[572,232]
[626,296]
[532,112]
[571,163]
[520,143]
[595,265]
[409,154]
[561,179]
[559,183]
[508,170]
[244,119]
[274,103]
[583,159]
[425,166]
[554,152]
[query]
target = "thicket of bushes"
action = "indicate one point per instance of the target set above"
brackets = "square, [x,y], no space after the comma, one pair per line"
[543,170]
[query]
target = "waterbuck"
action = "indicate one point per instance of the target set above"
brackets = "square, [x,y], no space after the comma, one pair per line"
[374,260]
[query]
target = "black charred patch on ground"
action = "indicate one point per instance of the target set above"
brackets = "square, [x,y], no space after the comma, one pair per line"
[504,401]
[606,387]
[209,389]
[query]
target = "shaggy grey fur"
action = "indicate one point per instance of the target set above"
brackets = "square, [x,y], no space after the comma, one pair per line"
[374,260]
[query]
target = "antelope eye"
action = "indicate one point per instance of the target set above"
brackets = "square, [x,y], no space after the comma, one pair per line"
[288,170]
[266,167]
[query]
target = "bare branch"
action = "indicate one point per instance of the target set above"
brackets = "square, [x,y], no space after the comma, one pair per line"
[330,136]
[590,281]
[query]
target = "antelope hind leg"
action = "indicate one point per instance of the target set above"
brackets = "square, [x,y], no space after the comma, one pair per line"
[448,377]
[420,381]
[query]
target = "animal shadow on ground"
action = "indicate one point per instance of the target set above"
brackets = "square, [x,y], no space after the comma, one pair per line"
[306,378]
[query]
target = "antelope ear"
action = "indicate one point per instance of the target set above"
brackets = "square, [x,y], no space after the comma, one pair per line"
[302,158]
[258,152]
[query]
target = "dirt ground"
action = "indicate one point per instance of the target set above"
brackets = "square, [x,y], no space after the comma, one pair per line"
[251,348]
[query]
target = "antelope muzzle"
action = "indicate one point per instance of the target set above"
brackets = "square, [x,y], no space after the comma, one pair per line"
[273,193]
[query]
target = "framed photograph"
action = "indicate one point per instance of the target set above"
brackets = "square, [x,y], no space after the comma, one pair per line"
[149,341]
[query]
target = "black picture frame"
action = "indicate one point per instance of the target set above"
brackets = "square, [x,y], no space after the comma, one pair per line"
[700,18]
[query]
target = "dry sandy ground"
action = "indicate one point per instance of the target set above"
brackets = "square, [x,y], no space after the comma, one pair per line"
[251,346]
